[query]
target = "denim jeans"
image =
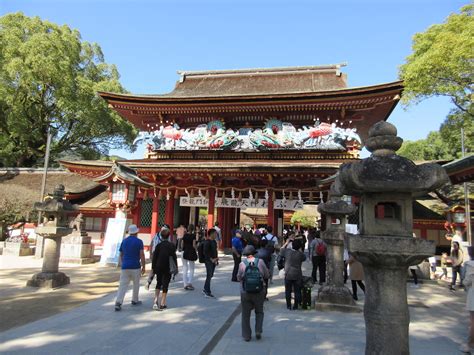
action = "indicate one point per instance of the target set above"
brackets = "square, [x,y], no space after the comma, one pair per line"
[188,272]
[455,271]
[210,267]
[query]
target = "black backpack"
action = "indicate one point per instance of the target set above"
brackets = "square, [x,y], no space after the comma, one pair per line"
[253,280]
[280,262]
[271,244]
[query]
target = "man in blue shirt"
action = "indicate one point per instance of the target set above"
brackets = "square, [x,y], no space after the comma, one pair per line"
[132,258]
[237,248]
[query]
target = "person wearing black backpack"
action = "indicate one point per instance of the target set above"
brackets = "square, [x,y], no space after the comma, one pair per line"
[252,275]
[273,244]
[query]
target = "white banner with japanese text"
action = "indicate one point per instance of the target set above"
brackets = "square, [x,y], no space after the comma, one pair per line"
[244,203]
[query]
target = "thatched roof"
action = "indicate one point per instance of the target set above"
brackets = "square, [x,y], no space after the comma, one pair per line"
[24,185]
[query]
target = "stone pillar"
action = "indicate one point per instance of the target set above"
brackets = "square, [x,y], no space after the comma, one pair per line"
[387,183]
[54,227]
[210,208]
[39,249]
[335,295]
[52,246]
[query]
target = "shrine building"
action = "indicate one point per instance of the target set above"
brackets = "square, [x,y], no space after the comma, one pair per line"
[228,140]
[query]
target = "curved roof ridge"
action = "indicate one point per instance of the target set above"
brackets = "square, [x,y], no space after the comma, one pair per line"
[263,70]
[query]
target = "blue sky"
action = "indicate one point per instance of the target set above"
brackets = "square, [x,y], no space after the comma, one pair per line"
[150,40]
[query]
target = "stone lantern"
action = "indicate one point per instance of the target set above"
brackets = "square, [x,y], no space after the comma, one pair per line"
[334,295]
[387,184]
[54,227]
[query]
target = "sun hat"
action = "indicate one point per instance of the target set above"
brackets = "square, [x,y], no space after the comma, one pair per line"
[132,229]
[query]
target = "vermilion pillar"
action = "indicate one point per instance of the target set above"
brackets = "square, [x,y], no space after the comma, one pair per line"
[135,214]
[210,208]
[270,211]
[227,236]
[154,216]
[169,213]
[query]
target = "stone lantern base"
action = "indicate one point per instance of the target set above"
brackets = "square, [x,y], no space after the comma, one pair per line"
[48,280]
[334,298]
[386,260]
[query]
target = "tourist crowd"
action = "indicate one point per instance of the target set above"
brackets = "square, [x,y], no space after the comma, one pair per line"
[255,253]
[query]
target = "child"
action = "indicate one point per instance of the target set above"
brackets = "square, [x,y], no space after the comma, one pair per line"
[444,266]
[432,261]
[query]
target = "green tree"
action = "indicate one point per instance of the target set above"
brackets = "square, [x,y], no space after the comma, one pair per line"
[431,148]
[11,211]
[451,132]
[48,79]
[442,65]
[305,218]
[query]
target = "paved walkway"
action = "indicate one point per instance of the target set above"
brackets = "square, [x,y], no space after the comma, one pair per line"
[194,324]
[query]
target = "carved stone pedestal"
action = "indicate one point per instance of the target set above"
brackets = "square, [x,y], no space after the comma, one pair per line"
[77,249]
[49,280]
[50,277]
[385,260]
[335,296]
[17,249]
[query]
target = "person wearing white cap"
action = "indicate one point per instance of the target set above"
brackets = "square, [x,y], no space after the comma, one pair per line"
[132,259]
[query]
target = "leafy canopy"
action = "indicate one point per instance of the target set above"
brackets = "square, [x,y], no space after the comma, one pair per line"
[442,64]
[306,219]
[49,78]
[431,148]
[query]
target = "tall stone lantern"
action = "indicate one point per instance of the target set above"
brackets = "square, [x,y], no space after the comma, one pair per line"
[54,227]
[334,295]
[387,183]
